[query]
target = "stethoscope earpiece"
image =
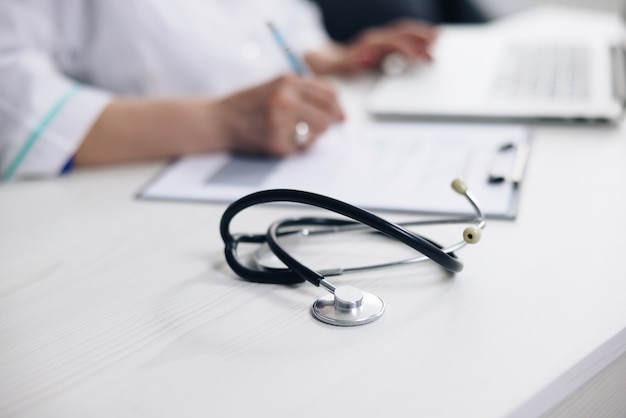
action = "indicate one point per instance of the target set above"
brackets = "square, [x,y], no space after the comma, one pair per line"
[472,234]
[459,186]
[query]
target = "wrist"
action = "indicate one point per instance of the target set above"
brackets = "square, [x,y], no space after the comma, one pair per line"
[212,128]
[327,60]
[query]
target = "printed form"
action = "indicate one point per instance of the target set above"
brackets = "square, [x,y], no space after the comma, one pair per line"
[400,167]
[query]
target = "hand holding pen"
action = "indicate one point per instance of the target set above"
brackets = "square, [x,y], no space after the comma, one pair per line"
[297,109]
[267,119]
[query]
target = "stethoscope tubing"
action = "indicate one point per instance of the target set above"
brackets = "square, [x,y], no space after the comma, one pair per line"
[296,271]
[353,226]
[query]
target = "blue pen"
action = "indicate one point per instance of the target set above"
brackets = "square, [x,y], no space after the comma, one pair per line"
[297,64]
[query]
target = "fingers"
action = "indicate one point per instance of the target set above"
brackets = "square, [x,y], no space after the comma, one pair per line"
[416,38]
[309,102]
[320,96]
[317,120]
[280,117]
[411,39]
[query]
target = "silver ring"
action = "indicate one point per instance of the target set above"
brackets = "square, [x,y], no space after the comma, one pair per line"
[301,135]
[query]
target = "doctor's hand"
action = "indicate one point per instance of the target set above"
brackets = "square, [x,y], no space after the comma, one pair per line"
[411,39]
[280,117]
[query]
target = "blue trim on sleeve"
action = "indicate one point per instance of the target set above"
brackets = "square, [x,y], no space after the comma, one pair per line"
[34,136]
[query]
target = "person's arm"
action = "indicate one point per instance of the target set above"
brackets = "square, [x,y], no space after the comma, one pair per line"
[258,120]
[142,129]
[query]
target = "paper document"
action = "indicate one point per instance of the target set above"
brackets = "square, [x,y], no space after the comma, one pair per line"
[382,166]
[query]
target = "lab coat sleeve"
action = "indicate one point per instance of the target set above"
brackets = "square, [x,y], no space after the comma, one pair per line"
[44,115]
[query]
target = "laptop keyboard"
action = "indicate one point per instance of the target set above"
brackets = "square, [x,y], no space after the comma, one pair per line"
[543,72]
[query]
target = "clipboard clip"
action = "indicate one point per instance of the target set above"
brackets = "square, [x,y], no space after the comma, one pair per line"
[618,72]
[496,175]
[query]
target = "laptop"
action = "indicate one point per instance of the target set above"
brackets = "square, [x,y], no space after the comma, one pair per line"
[547,64]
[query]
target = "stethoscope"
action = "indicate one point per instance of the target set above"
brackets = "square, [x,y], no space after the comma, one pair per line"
[344,305]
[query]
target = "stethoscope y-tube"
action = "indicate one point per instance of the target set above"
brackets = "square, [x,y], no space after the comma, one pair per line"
[347,305]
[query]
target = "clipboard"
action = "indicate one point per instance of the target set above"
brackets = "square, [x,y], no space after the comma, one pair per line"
[395,166]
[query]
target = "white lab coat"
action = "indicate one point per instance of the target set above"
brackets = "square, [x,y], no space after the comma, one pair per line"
[62,61]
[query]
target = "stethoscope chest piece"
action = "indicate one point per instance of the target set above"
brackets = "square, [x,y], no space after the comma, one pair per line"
[348,306]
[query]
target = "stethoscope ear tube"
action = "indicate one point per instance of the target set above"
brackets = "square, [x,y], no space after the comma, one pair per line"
[289,276]
[282,276]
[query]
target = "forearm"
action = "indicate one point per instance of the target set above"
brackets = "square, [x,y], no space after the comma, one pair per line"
[142,129]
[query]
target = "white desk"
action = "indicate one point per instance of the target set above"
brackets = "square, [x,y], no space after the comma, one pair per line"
[114,307]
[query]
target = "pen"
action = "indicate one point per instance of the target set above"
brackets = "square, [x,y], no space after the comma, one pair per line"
[297,64]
